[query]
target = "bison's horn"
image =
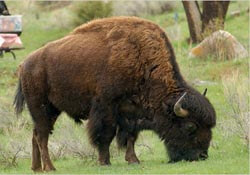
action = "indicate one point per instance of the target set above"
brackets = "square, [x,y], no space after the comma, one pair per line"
[178,110]
[205,92]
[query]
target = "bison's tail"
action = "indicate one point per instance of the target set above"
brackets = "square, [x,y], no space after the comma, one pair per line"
[19,100]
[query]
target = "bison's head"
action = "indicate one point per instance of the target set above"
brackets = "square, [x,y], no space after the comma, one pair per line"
[188,132]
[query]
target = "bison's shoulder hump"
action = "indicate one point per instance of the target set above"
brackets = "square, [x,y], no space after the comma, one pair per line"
[107,24]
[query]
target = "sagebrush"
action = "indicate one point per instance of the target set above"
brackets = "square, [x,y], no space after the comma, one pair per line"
[237,96]
[89,10]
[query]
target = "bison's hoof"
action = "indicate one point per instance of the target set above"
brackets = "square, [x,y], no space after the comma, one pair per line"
[133,161]
[49,168]
[172,161]
[105,163]
[37,169]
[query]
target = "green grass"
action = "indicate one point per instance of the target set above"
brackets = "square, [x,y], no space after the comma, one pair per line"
[227,155]
[227,158]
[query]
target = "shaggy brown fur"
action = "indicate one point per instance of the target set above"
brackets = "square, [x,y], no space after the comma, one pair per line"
[117,73]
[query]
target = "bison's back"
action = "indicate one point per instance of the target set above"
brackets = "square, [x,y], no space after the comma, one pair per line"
[106,58]
[105,25]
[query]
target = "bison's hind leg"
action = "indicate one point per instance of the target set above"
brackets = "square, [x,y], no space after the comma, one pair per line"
[44,116]
[101,129]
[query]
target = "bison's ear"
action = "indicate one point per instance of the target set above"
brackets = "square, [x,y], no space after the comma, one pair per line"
[205,92]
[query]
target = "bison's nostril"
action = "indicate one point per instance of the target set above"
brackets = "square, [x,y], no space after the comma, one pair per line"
[203,156]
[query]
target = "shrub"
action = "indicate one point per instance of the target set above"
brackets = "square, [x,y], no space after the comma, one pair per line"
[237,96]
[8,158]
[51,5]
[86,11]
[142,7]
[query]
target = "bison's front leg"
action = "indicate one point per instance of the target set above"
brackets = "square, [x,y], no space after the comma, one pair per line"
[106,136]
[104,155]
[101,129]
[141,124]
[130,152]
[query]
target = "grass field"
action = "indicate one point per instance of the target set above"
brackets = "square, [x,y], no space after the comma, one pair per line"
[71,152]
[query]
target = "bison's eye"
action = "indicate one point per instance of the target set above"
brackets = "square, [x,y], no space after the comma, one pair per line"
[190,127]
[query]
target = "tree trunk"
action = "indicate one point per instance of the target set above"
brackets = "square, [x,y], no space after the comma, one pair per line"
[210,20]
[194,20]
[213,17]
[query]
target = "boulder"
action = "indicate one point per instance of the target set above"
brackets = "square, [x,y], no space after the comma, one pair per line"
[221,45]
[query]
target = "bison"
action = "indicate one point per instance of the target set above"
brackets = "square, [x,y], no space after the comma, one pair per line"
[121,75]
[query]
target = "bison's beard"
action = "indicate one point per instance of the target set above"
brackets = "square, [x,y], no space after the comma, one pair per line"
[177,153]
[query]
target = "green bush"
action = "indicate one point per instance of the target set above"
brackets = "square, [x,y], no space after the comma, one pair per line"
[51,5]
[86,11]
[142,7]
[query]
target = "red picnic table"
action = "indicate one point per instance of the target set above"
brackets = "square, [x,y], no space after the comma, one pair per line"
[10,31]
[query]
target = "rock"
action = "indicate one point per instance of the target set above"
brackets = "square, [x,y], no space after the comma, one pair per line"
[198,82]
[235,13]
[221,45]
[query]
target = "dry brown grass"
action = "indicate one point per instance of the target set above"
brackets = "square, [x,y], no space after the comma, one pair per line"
[237,96]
